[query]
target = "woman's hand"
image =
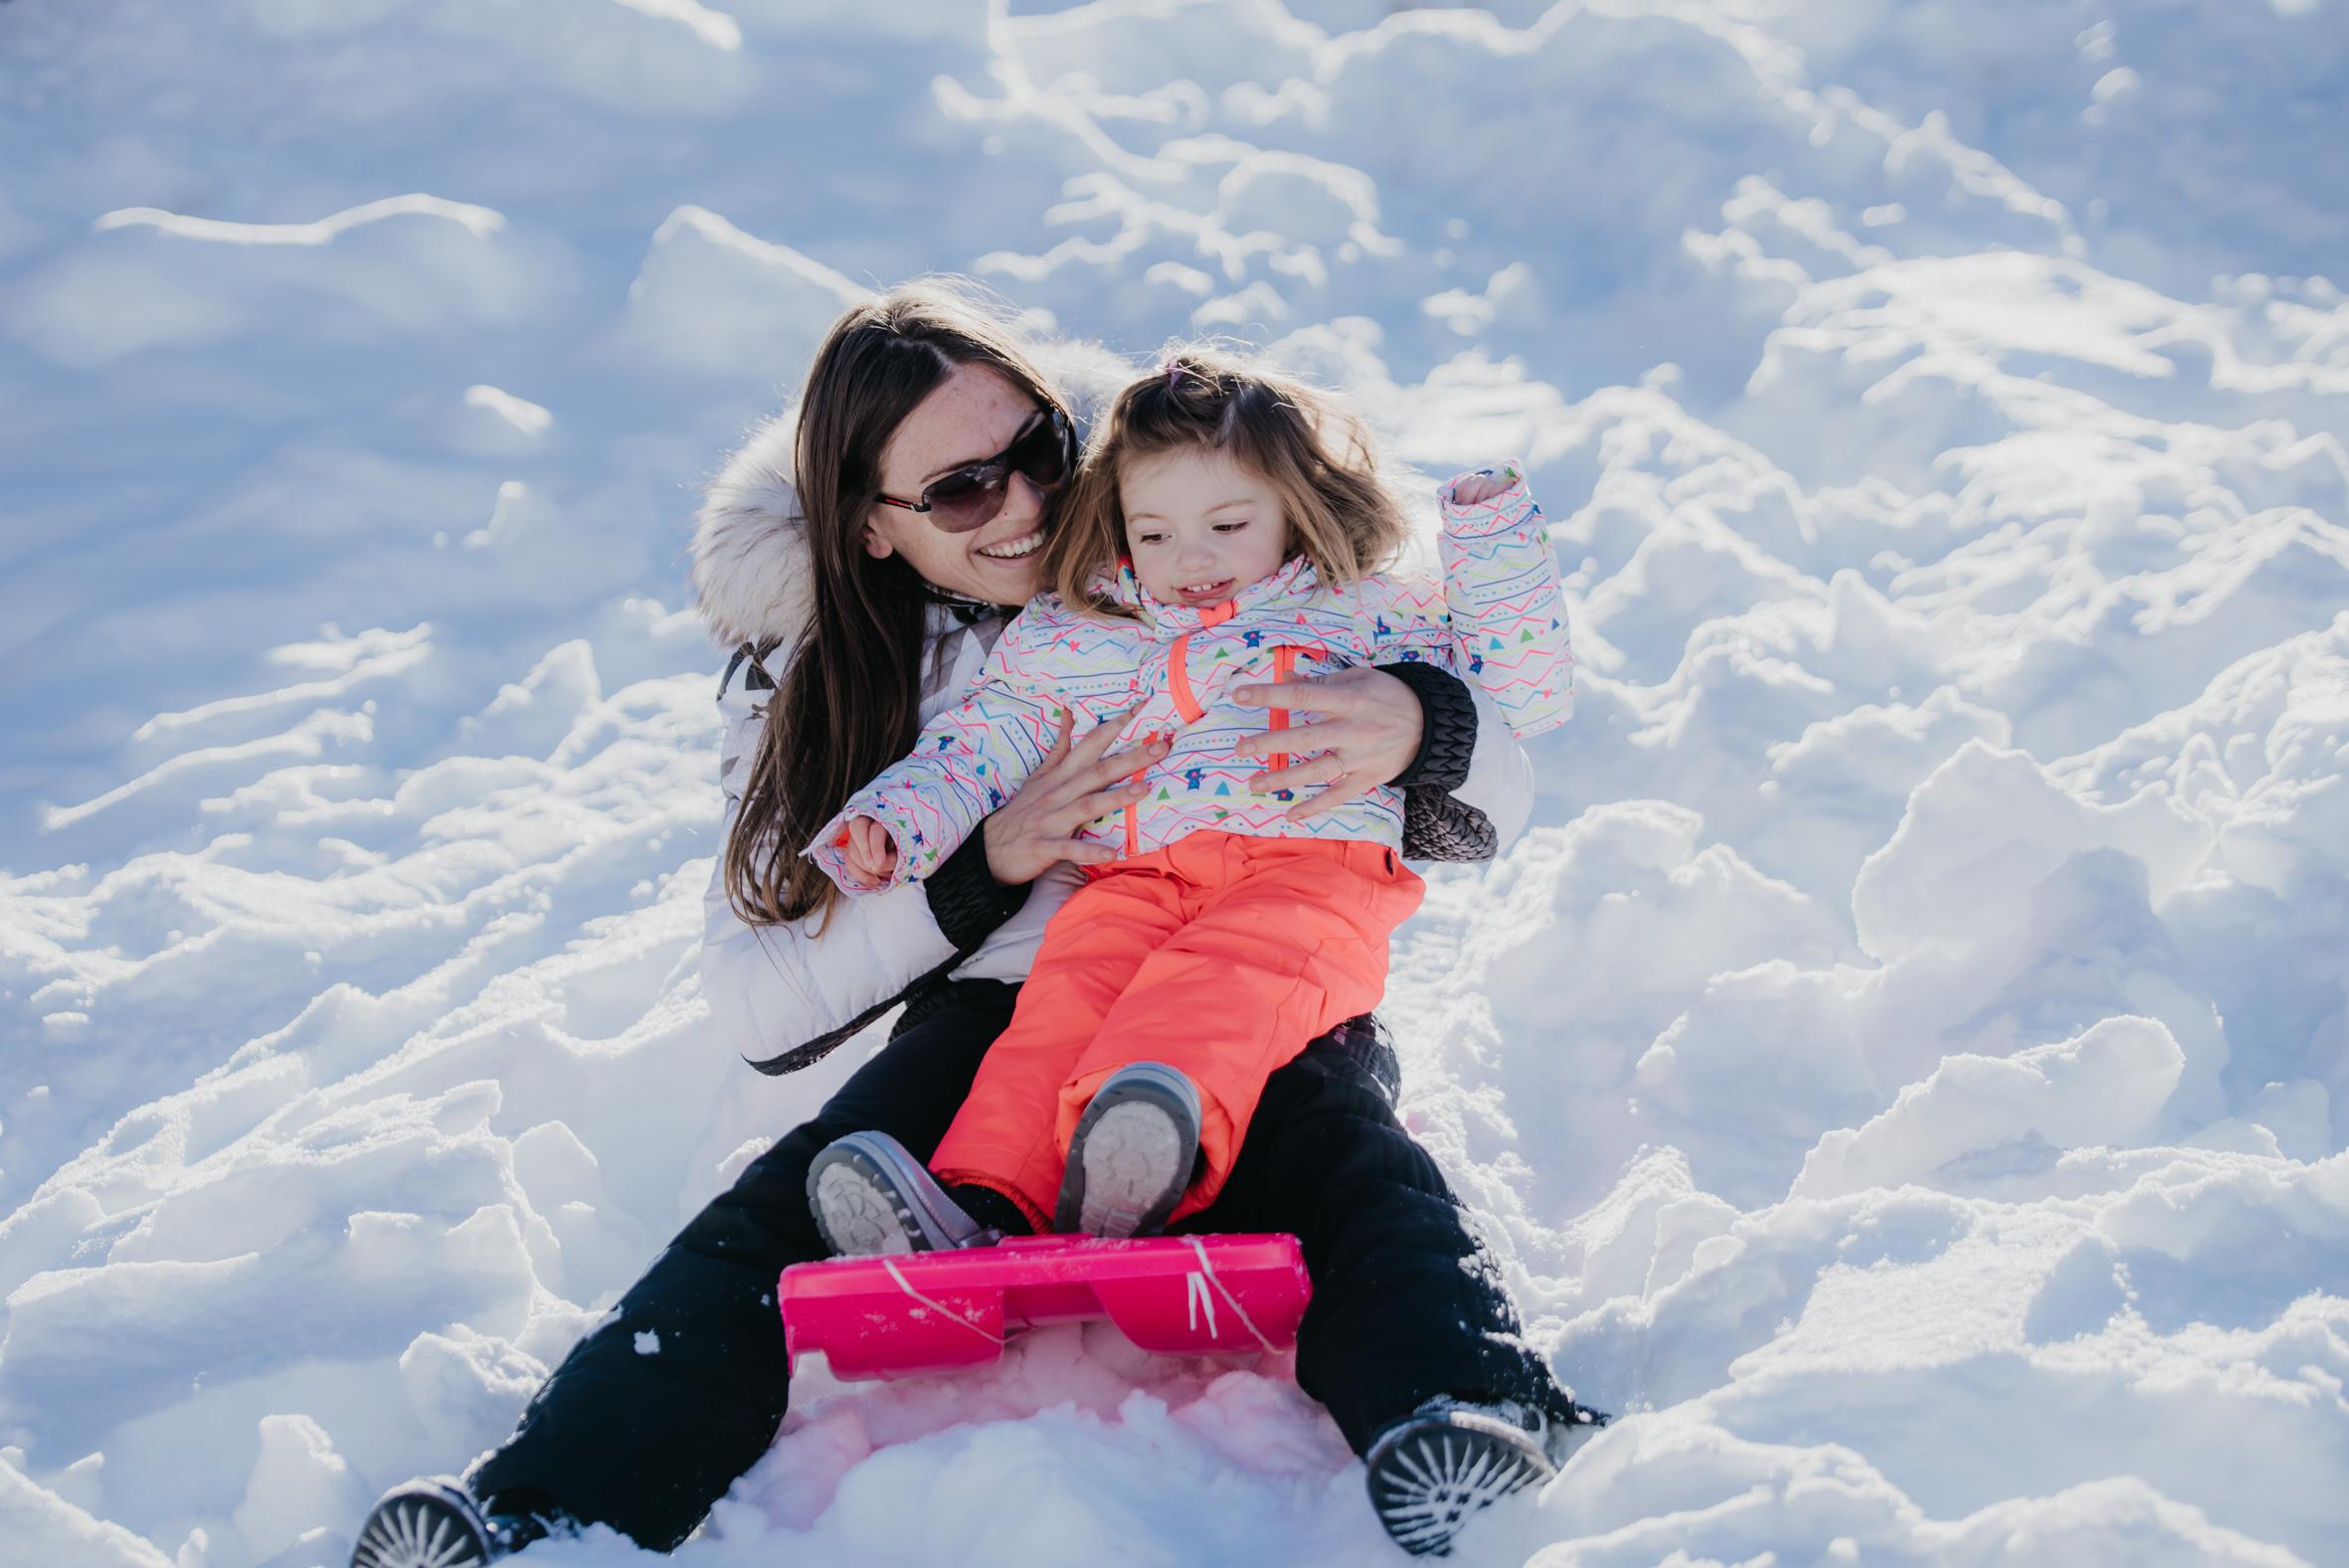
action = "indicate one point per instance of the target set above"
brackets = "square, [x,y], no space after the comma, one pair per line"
[1369,730]
[1071,787]
[871,852]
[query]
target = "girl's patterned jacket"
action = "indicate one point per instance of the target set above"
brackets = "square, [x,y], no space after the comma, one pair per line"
[1495,618]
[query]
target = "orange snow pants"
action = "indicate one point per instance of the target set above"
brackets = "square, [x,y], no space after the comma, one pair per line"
[1222,955]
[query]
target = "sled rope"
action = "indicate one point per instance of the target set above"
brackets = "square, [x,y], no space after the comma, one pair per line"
[1210,1270]
[906,1286]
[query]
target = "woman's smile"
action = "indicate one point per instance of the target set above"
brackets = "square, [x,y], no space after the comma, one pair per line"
[1013,548]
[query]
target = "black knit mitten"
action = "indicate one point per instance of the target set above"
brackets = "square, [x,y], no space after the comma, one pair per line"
[965,899]
[1436,826]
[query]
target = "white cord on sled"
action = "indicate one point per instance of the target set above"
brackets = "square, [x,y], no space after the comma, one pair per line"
[905,1284]
[1210,1270]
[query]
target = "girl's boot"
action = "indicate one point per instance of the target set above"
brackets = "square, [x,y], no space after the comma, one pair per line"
[1134,1152]
[870,1196]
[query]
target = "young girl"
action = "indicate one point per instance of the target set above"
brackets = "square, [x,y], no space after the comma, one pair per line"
[1227,527]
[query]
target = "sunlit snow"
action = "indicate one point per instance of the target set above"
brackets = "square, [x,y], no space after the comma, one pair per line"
[1905,1072]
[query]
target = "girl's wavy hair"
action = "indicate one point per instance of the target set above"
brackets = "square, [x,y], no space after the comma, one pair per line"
[1307,444]
[849,704]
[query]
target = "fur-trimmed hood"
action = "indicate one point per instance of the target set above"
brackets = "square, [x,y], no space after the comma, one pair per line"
[752,578]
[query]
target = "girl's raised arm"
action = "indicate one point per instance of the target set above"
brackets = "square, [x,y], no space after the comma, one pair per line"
[1501,583]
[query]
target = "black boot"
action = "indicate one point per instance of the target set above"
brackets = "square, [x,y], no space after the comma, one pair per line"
[1447,1461]
[433,1522]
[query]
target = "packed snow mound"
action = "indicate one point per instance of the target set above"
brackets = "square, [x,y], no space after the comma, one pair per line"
[1903,1072]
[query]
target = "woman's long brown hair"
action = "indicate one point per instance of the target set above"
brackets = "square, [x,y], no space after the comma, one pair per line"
[849,705]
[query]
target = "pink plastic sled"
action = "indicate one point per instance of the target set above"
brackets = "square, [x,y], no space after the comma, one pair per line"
[932,1311]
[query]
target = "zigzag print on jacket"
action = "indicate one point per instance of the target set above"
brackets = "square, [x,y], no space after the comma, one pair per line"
[1496,617]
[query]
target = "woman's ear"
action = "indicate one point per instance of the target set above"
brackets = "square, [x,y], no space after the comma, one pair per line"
[876,546]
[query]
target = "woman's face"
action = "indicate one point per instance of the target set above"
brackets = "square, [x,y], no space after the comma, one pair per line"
[969,417]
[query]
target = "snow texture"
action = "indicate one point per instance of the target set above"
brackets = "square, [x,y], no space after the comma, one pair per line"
[1905,1072]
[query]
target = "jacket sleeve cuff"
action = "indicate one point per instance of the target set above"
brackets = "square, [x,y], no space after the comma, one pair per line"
[965,899]
[1447,737]
[1497,514]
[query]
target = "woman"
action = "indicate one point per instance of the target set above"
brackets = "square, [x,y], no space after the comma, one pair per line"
[865,593]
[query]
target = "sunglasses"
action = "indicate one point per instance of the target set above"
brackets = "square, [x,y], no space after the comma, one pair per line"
[969,497]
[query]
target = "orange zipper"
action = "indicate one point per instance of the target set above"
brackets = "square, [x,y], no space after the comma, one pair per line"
[1284,664]
[1179,681]
[1132,823]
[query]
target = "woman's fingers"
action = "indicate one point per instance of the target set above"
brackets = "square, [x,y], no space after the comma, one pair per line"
[1126,763]
[1369,720]
[1332,698]
[1091,744]
[1281,694]
[1334,735]
[1066,726]
[1104,802]
[1091,766]
[1077,782]
[1343,787]
[1334,693]
[1119,764]
[1303,773]
[1100,737]
[1122,764]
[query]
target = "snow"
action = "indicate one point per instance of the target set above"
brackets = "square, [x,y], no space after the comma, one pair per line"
[1904,1070]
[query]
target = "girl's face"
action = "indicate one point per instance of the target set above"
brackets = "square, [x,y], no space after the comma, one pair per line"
[1199,526]
[967,418]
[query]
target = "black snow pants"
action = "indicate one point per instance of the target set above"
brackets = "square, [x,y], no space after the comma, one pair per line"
[1405,1305]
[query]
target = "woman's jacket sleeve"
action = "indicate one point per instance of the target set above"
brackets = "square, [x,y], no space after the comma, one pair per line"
[783,996]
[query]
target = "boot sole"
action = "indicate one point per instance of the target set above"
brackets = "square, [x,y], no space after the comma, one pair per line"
[1430,1475]
[1131,1158]
[424,1524]
[868,1198]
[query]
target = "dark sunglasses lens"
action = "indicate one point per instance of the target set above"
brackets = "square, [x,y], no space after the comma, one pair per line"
[971,497]
[965,499]
[1042,453]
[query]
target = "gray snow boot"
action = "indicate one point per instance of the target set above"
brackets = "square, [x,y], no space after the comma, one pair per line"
[433,1522]
[1134,1152]
[872,1196]
[1447,1461]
